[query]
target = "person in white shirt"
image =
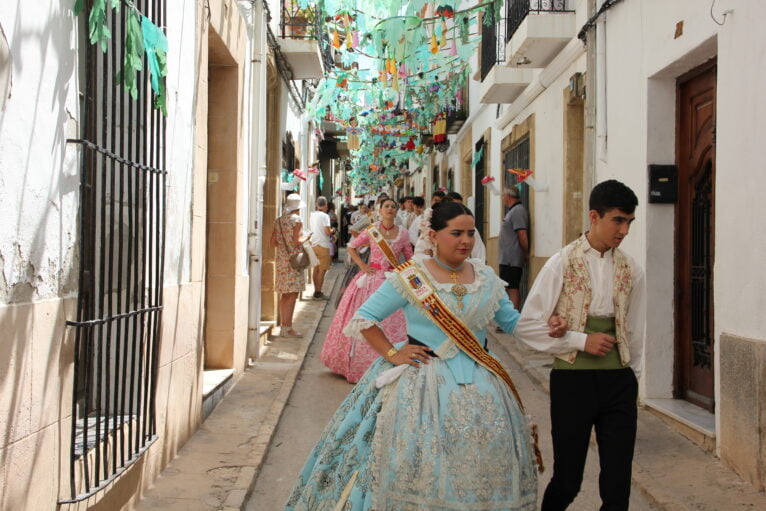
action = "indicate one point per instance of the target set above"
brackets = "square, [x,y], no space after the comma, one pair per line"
[360,210]
[321,242]
[403,215]
[419,206]
[599,291]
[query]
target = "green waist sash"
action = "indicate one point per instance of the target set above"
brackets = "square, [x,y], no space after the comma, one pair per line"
[584,360]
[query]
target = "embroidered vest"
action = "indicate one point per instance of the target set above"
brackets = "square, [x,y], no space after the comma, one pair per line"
[576,294]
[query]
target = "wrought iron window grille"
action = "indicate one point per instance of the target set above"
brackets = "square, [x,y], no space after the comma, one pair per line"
[122,241]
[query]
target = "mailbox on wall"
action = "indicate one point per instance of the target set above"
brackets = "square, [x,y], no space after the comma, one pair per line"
[663,184]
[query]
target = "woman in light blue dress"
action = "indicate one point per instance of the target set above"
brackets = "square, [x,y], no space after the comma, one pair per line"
[439,432]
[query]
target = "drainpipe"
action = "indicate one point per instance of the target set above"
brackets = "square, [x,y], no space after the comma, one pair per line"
[589,170]
[601,128]
[258,70]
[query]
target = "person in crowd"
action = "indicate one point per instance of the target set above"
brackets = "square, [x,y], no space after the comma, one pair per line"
[321,240]
[287,238]
[479,249]
[404,216]
[436,422]
[599,290]
[334,235]
[360,210]
[437,196]
[389,246]
[514,243]
[419,207]
[360,221]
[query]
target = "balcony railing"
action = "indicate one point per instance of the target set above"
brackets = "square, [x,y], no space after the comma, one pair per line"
[306,23]
[517,10]
[492,46]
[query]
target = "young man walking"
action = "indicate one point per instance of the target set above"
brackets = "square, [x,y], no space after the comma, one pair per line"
[321,242]
[600,291]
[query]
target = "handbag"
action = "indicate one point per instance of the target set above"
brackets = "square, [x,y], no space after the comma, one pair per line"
[299,258]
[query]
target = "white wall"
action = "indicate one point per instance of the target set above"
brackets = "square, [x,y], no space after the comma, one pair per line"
[182,67]
[39,174]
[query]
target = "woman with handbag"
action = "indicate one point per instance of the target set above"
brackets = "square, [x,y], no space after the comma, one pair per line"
[436,422]
[389,246]
[286,237]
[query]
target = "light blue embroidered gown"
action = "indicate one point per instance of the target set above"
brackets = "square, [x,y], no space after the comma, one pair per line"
[446,436]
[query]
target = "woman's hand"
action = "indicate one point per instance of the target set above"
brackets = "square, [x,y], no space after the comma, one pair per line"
[557,326]
[411,354]
[369,270]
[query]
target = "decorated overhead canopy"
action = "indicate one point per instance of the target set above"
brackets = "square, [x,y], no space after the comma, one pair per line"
[401,70]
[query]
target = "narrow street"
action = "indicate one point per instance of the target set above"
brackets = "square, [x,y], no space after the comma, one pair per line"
[318,393]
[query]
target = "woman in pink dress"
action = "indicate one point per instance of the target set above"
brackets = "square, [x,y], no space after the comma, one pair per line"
[347,356]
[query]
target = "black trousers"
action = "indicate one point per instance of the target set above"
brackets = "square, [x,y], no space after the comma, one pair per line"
[581,400]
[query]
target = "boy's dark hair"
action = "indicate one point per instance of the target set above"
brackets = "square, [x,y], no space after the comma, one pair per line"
[455,196]
[438,193]
[419,201]
[612,194]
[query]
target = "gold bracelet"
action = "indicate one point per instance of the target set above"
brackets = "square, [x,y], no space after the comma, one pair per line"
[390,353]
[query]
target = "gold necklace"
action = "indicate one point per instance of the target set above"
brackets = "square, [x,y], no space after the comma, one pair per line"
[458,289]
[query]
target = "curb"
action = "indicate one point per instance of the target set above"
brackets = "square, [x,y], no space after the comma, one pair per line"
[271,421]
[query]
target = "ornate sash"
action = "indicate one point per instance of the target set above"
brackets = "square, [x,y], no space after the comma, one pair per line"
[418,286]
[382,243]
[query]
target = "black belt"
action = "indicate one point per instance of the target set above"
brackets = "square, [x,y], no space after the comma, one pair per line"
[414,341]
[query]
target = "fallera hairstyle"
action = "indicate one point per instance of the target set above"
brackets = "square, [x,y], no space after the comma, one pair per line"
[419,202]
[321,201]
[439,193]
[443,212]
[455,196]
[612,194]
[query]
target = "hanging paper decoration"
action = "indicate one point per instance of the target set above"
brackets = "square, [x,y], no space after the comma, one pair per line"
[400,73]
[440,129]
[300,173]
[489,182]
[521,174]
[353,132]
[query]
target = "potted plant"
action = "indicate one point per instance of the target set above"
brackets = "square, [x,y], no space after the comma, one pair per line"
[302,22]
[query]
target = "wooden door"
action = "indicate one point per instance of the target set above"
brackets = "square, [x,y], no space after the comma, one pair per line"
[695,213]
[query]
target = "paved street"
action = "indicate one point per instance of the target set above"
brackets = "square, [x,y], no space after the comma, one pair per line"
[318,393]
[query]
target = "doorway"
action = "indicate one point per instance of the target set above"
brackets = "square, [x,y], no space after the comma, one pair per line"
[517,157]
[695,235]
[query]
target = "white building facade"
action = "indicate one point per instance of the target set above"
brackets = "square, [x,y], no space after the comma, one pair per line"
[665,97]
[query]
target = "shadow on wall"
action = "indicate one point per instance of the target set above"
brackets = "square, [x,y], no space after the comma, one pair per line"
[36,349]
[6,70]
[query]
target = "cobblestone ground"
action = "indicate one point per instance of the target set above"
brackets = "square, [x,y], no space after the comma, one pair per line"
[318,393]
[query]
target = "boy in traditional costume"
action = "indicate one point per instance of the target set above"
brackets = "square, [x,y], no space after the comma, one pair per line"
[600,291]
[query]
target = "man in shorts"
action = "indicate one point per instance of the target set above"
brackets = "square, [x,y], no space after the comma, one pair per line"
[514,244]
[321,242]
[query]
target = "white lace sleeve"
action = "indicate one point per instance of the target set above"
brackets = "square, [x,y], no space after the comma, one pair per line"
[354,327]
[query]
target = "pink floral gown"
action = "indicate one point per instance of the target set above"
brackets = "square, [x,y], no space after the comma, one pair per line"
[351,357]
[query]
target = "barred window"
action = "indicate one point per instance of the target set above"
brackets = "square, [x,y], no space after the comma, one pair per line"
[122,238]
